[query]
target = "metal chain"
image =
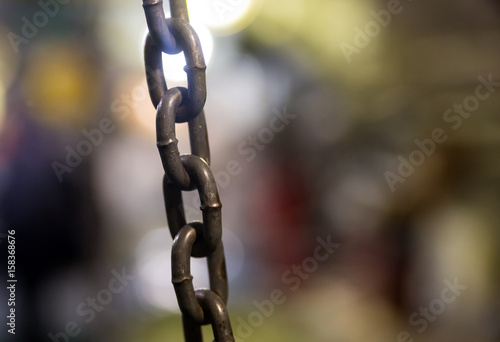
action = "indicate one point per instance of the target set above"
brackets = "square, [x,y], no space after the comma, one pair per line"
[187,172]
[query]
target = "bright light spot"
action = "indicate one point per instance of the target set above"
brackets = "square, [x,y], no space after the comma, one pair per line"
[173,65]
[153,241]
[155,286]
[224,16]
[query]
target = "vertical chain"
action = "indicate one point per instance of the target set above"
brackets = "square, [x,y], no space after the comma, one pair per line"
[187,172]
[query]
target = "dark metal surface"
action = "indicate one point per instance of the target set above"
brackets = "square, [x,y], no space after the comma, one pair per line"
[216,310]
[183,280]
[181,275]
[192,330]
[198,137]
[158,27]
[154,71]
[187,172]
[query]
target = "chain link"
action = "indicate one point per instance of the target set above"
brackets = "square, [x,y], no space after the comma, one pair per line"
[187,172]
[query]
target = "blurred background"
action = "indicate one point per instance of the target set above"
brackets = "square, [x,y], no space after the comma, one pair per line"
[368,124]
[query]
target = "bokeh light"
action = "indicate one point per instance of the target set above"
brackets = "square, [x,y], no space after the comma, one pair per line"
[173,65]
[224,17]
[62,85]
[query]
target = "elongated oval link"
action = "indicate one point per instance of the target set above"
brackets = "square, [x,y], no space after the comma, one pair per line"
[202,178]
[201,175]
[216,310]
[195,68]
[166,140]
[183,280]
[181,274]
[194,97]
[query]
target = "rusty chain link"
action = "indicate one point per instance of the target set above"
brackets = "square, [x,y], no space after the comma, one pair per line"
[187,172]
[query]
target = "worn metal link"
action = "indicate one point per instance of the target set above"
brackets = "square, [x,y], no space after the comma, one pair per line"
[187,172]
[183,280]
[216,310]
[193,98]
